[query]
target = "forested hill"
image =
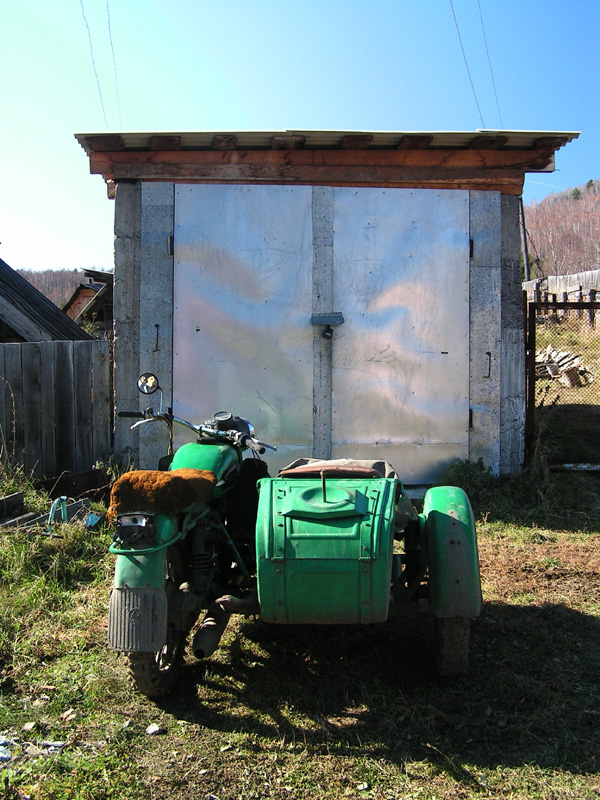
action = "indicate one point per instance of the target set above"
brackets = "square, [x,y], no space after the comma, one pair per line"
[57,284]
[564,231]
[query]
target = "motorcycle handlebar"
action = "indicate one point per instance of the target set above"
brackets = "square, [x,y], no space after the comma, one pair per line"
[255,445]
[234,436]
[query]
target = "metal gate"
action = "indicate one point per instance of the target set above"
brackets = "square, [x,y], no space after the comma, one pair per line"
[262,276]
[563,380]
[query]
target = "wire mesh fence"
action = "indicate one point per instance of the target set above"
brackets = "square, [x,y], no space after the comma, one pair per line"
[564,379]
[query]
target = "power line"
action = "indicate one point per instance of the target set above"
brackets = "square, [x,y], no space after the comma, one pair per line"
[112,50]
[490,63]
[467,66]
[93,62]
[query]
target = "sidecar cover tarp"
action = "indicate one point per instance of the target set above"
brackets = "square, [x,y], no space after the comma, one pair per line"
[161,492]
[305,466]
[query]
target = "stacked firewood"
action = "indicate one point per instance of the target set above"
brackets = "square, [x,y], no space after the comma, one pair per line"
[561,365]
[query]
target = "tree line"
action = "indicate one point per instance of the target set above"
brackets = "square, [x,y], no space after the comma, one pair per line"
[564,231]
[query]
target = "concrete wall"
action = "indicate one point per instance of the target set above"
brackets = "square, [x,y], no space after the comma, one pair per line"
[143,308]
[485,338]
[513,380]
[497,350]
[143,311]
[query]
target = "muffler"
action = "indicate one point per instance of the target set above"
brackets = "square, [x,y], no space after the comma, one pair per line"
[209,634]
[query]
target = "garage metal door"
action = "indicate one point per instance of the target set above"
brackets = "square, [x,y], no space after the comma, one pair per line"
[249,273]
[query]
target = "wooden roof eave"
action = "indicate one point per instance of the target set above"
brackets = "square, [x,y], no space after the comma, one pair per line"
[501,169]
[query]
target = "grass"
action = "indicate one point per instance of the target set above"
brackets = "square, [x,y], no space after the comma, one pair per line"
[309,712]
[570,416]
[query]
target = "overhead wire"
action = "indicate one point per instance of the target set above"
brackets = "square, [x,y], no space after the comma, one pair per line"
[94,63]
[112,50]
[467,65]
[490,63]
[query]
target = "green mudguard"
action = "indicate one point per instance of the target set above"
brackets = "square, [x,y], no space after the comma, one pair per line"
[137,615]
[454,582]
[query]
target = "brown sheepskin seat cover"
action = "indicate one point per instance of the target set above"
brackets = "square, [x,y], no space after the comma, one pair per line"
[160,492]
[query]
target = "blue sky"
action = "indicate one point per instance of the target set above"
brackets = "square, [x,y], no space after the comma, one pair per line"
[266,65]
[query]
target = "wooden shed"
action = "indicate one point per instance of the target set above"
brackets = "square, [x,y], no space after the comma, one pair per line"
[354,294]
[26,315]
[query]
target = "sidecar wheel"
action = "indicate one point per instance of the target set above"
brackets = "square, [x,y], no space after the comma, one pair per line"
[452,645]
[155,674]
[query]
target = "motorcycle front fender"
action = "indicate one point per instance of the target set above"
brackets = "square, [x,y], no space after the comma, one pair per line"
[137,619]
[137,612]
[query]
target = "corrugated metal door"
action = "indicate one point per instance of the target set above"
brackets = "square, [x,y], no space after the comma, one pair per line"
[243,341]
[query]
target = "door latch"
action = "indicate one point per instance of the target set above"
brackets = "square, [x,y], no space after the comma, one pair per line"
[328,319]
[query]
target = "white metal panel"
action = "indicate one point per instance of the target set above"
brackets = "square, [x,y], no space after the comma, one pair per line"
[400,360]
[243,295]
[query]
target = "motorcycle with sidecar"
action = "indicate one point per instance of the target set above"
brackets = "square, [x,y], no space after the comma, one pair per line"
[323,542]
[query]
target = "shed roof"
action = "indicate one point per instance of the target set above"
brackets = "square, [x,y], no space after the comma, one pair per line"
[30,314]
[481,159]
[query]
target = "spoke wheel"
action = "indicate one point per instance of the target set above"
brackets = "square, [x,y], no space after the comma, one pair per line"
[452,645]
[155,674]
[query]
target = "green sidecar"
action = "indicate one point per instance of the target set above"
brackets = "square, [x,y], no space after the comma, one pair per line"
[339,542]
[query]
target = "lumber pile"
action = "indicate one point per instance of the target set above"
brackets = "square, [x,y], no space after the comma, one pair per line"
[561,365]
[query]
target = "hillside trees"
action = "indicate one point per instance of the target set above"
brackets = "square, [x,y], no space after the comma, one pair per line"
[56,284]
[564,231]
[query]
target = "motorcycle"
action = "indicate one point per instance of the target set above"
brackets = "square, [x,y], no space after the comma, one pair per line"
[183,539]
[210,530]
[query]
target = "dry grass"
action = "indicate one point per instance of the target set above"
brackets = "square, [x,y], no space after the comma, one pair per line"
[570,416]
[310,712]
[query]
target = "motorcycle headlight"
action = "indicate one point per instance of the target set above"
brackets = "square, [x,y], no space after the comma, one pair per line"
[135,529]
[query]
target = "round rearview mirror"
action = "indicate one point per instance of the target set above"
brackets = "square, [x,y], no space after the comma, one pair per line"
[147,383]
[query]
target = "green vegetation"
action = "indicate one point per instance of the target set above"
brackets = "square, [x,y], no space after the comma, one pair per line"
[332,712]
[569,416]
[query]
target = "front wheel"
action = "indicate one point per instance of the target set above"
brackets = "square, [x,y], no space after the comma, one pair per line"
[155,674]
[452,645]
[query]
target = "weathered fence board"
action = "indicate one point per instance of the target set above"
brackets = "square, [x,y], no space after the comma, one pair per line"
[31,403]
[14,401]
[55,412]
[48,443]
[102,403]
[82,402]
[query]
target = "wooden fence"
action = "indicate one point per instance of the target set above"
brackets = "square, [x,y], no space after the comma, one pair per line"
[55,405]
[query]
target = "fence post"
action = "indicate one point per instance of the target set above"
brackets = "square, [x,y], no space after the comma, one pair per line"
[591,311]
[579,297]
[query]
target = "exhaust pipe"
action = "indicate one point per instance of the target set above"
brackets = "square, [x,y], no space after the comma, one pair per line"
[209,634]
[240,605]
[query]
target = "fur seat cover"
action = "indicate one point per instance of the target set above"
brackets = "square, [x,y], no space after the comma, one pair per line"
[161,492]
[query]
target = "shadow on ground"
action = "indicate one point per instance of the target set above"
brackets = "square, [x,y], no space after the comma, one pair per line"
[531,697]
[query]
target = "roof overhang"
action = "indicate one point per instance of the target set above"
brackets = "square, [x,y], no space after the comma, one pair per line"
[493,160]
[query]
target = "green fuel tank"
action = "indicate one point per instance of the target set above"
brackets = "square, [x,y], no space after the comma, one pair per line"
[221,459]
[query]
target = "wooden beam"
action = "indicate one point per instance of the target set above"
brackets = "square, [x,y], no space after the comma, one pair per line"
[224,142]
[161,142]
[414,142]
[21,323]
[356,142]
[287,142]
[548,142]
[484,142]
[316,174]
[138,163]
[105,143]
